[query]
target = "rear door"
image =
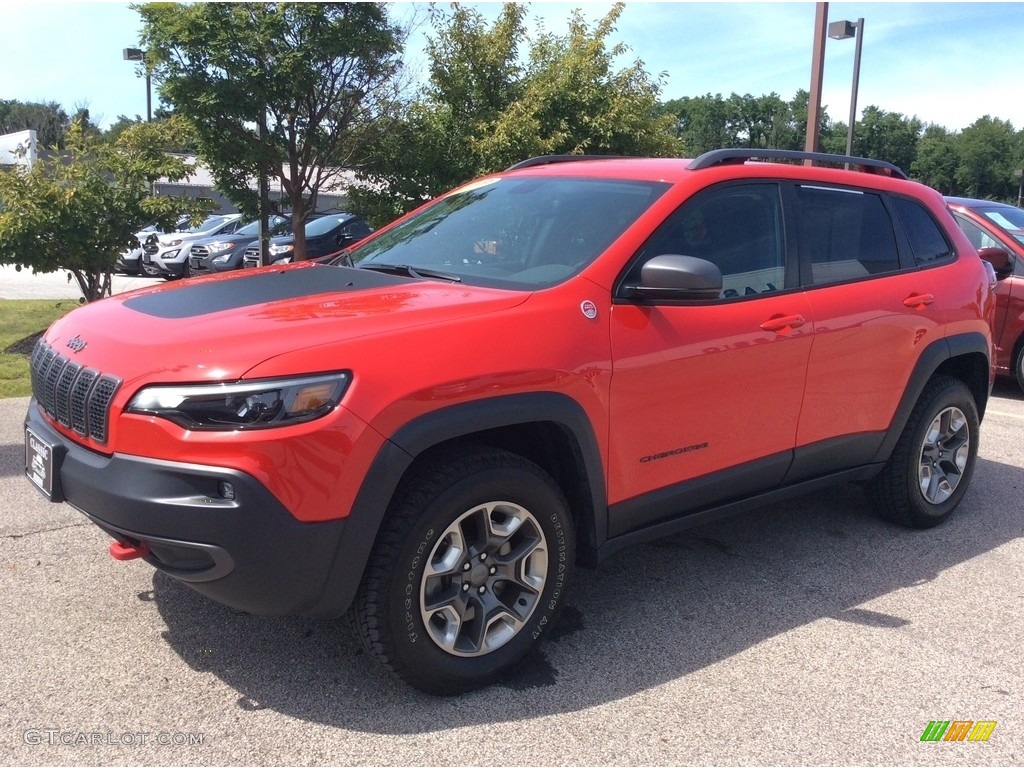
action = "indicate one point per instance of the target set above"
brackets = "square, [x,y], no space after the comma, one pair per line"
[875,310]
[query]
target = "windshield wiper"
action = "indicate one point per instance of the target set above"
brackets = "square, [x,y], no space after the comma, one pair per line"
[408,271]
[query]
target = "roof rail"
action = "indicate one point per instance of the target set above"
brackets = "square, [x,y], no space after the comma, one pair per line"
[549,159]
[735,156]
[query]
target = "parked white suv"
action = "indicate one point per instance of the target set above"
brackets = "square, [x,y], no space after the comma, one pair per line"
[169,253]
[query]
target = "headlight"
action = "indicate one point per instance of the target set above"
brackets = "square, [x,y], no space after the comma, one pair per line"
[276,249]
[219,246]
[244,405]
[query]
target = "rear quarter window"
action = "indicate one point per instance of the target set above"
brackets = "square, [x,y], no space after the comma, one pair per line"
[927,240]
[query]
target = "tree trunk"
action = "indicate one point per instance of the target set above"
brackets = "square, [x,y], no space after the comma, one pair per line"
[298,223]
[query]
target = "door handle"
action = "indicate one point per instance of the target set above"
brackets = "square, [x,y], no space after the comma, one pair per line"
[918,300]
[783,323]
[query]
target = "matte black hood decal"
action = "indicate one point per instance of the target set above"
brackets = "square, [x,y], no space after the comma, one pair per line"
[206,297]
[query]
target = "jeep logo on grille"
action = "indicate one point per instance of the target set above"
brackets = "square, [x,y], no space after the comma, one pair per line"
[76,344]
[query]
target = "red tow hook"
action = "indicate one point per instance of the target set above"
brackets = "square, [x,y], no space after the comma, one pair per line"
[122,550]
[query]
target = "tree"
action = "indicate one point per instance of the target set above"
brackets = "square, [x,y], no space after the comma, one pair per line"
[712,122]
[937,159]
[484,110]
[293,90]
[574,102]
[988,150]
[49,121]
[182,142]
[888,136]
[77,210]
[701,122]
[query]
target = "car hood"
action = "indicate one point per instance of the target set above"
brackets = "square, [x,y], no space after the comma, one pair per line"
[218,328]
[185,237]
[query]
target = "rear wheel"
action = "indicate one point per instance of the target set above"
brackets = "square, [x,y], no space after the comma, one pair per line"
[469,572]
[932,463]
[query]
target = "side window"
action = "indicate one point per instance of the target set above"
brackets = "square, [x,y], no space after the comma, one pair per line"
[926,239]
[738,228]
[844,234]
[979,237]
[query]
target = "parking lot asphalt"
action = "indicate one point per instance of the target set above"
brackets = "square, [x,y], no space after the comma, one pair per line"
[23,284]
[807,633]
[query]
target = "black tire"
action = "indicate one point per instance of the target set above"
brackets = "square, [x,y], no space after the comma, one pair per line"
[931,466]
[149,270]
[425,626]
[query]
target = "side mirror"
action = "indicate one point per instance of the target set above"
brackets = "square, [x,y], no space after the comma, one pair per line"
[1000,260]
[344,237]
[671,277]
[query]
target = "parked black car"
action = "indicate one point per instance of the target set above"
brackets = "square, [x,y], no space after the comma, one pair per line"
[222,253]
[324,235]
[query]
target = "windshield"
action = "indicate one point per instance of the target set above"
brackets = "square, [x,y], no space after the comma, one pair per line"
[209,224]
[277,224]
[324,224]
[1010,220]
[519,232]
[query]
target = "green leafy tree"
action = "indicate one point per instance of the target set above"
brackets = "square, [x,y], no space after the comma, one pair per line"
[292,90]
[49,121]
[711,122]
[487,106]
[701,122]
[989,150]
[888,136]
[575,102]
[78,209]
[937,159]
[182,142]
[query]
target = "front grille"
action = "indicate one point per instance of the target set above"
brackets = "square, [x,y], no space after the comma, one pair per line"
[151,247]
[75,396]
[199,250]
[251,258]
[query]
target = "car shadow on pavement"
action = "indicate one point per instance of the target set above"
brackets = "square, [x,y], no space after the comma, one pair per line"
[651,614]
[1007,388]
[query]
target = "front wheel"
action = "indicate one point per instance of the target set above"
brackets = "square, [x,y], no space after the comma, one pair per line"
[148,268]
[932,463]
[469,571]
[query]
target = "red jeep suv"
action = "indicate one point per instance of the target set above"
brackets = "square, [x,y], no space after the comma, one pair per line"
[521,377]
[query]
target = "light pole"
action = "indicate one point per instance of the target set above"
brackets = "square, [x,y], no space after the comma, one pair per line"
[842,30]
[1020,188]
[137,54]
[817,68]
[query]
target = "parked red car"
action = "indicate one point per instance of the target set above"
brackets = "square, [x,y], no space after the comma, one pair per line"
[989,225]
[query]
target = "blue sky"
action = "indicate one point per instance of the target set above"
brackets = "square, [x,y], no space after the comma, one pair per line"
[947,63]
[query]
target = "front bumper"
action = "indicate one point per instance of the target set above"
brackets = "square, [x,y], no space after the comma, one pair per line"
[245,551]
[170,263]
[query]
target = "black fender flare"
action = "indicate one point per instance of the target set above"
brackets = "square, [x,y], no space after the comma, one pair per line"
[414,438]
[932,358]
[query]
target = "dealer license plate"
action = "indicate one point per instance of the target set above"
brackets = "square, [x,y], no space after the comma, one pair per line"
[39,462]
